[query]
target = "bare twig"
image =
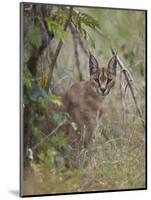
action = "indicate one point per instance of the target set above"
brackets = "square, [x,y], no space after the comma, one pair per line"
[112,140]
[57,52]
[58,82]
[123,105]
[127,77]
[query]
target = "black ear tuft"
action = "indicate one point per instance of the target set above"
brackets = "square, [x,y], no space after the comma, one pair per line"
[93,64]
[112,65]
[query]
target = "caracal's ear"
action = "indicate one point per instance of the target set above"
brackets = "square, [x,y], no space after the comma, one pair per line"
[112,65]
[93,64]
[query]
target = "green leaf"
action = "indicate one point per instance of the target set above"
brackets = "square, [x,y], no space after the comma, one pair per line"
[65,151]
[37,91]
[37,133]
[58,118]
[55,100]
[56,28]
[27,82]
[34,36]
[37,119]
[85,19]
[42,156]
[35,41]
[59,140]
[92,42]
[27,79]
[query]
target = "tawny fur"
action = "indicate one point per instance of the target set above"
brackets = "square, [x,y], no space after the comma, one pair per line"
[84,100]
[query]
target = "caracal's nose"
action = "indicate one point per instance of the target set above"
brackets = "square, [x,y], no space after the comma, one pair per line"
[103,89]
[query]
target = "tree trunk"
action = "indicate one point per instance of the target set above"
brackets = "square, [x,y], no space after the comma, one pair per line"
[30,14]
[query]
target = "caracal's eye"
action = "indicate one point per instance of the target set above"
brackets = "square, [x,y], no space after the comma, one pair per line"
[109,80]
[96,80]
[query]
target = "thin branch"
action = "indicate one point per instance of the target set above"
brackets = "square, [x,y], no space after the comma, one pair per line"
[82,46]
[127,77]
[50,134]
[58,82]
[57,52]
[79,38]
[75,37]
[123,104]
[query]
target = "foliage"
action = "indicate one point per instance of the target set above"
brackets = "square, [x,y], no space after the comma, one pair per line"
[56,21]
[83,19]
[34,35]
[116,158]
[55,100]
[56,28]
[54,153]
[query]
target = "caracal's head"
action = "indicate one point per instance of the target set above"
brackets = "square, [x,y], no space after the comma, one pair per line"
[102,78]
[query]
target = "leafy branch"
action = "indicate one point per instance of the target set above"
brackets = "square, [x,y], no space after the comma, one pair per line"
[81,19]
[78,22]
[56,29]
[51,68]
